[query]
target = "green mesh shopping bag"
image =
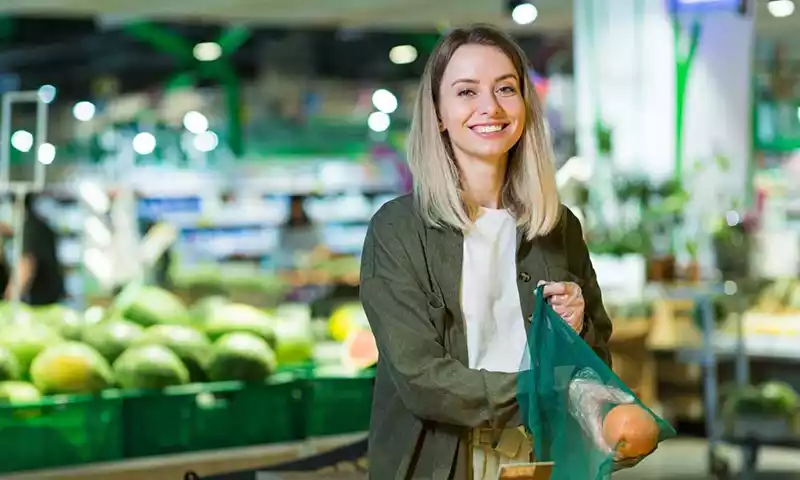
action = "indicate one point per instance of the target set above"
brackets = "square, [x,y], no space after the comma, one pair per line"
[565,393]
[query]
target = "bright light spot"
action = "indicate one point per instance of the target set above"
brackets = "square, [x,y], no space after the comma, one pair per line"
[731,288]
[525,13]
[94,196]
[206,141]
[403,54]
[207,51]
[732,218]
[780,8]
[378,121]
[144,143]
[22,140]
[384,100]
[83,111]
[195,122]
[47,93]
[47,153]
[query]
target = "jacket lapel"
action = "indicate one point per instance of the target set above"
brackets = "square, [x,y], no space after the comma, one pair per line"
[446,255]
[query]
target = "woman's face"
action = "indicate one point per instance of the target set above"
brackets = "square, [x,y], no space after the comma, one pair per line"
[480,103]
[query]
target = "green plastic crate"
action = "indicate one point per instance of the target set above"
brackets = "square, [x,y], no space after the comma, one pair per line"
[337,404]
[211,416]
[60,431]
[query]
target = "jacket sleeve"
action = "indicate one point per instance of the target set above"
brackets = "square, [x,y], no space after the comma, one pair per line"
[431,384]
[597,324]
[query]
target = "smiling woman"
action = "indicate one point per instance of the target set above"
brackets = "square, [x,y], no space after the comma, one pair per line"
[447,273]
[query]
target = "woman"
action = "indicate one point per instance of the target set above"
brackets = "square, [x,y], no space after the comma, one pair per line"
[448,272]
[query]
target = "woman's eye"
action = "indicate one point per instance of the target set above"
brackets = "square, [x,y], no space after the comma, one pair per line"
[466,93]
[508,90]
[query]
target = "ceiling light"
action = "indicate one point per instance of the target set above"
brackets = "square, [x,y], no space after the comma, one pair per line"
[780,8]
[195,122]
[83,111]
[403,54]
[207,51]
[525,13]
[206,141]
[47,93]
[378,122]
[144,143]
[46,153]
[22,140]
[384,100]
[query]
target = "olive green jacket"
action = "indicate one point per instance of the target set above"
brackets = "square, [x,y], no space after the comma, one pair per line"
[426,398]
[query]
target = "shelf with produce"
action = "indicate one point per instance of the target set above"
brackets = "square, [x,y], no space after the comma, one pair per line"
[241,215]
[148,376]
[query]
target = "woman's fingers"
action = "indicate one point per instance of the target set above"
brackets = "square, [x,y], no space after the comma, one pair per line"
[555,288]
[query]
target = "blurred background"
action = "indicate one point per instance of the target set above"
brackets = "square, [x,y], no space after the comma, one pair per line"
[205,172]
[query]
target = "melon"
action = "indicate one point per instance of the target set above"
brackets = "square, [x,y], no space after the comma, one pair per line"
[241,356]
[9,366]
[189,344]
[71,368]
[150,367]
[631,431]
[26,340]
[345,319]
[360,350]
[112,337]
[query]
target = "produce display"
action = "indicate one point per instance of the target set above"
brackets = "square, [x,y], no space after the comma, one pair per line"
[779,297]
[149,339]
[769,399]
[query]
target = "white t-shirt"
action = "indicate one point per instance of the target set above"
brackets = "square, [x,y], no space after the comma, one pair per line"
[496,337]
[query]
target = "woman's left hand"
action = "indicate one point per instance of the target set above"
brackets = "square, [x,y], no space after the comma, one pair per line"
[566,299]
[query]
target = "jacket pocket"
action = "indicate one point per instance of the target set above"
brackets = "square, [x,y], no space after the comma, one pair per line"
[437,314]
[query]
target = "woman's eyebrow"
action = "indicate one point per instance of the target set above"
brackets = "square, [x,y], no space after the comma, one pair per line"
[498,79]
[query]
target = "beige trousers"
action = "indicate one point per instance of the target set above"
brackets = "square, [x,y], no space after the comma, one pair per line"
[515,446]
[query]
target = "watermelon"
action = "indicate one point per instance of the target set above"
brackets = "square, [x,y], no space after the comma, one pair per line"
[26,340]
[18,392]
[237,317]
[150,367]
[112,337]
[9,313]
[189,344]
[71,368]
[65,321]
[204,308]
[295,341]
[148,306]
[360,350]
[241,356]
[9,366]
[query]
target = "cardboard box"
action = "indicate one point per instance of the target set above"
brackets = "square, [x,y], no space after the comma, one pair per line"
[526,471]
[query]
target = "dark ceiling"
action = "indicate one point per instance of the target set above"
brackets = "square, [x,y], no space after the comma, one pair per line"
[73,54]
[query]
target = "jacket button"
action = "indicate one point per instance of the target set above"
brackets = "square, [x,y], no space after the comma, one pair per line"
[525,277]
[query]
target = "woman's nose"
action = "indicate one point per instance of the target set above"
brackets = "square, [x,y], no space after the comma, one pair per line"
[489,105]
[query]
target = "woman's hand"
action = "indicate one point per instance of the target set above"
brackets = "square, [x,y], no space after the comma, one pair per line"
[566,299]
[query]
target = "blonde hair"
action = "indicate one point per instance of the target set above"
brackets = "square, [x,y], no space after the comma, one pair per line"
[529,192]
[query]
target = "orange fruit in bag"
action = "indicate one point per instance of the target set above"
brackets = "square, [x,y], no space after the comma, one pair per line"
[631,431]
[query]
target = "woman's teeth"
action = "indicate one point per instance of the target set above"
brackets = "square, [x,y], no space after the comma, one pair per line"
[488,128]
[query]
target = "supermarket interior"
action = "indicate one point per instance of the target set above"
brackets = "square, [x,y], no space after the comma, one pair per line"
[186,188]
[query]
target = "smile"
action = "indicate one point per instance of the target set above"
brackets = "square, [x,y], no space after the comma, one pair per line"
[489,128]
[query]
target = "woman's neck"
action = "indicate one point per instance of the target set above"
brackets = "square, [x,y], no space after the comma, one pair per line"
[483,181]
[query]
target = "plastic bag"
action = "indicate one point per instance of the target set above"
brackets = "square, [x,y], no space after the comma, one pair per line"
[565,394]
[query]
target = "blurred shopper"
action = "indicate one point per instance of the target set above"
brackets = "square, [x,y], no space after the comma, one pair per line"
[41,276]
[448,273]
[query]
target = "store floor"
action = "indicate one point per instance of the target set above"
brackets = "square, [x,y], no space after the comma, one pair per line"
[685,459]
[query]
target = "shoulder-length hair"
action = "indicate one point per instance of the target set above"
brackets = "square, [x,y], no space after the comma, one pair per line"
[529,192]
